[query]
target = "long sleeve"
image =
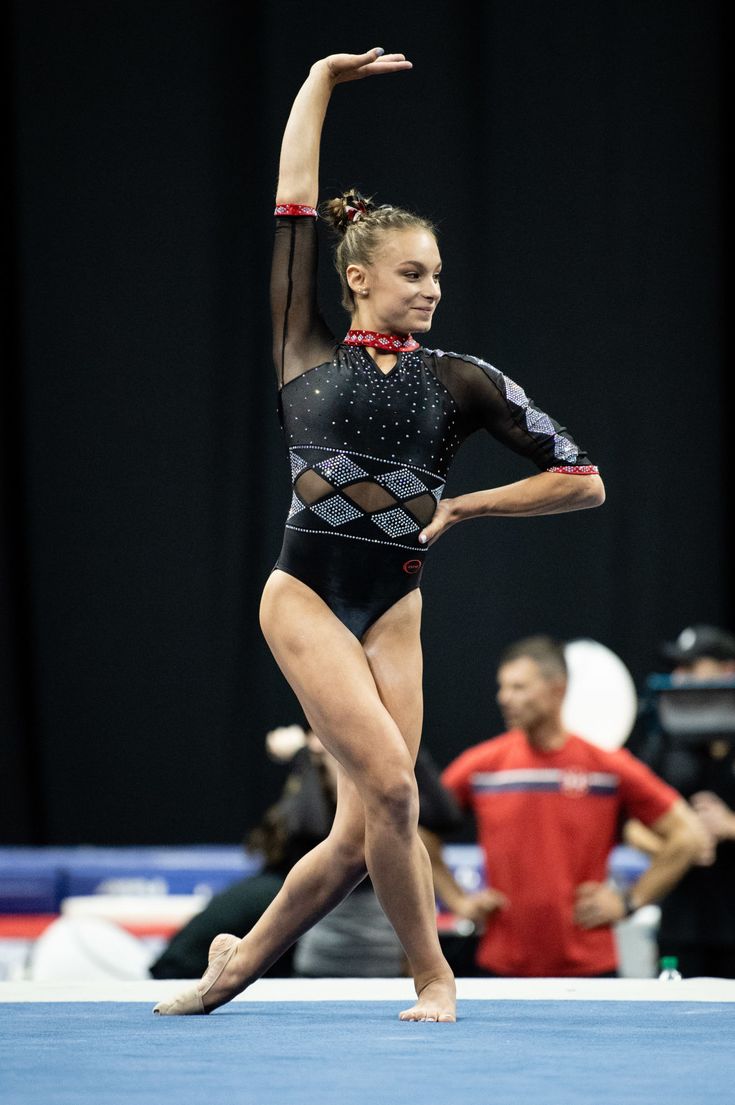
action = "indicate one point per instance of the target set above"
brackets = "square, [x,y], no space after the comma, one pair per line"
[490,400]
[301,338]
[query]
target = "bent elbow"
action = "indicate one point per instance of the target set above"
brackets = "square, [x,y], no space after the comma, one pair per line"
[598,492]
[593,491]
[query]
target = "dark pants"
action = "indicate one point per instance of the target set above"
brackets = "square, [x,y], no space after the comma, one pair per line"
[236,910]
[483,972]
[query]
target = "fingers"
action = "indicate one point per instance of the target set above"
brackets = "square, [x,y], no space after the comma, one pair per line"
[353,67]
[432,531]
[494,899]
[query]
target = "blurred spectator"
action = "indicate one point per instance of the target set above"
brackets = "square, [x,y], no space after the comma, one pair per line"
[698,916]
[356,939]
[548,807]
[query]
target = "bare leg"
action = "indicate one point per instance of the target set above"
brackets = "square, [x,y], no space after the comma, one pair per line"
[345,691]
[393,650]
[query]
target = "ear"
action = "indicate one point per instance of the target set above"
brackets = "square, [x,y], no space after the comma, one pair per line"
[356,277]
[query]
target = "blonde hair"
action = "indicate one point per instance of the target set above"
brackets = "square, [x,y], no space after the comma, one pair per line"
[359,224]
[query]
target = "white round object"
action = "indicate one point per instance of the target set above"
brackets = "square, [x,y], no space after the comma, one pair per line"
[283,743]
[601,702]
[87,949]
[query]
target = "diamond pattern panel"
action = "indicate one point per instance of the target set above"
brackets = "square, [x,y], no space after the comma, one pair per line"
[538,422]
[403,483]
[336,511]
[396,522]
[297,465]
[564,449]
[515,393]
[340,470]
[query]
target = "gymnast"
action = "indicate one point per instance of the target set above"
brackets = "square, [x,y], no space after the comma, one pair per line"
[372,423]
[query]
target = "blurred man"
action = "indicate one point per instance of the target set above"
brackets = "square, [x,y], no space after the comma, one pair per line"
[548,807]
[698,916]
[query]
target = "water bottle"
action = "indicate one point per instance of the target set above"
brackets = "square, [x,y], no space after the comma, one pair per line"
[669,969]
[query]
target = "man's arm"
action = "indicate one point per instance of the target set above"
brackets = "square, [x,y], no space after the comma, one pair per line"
[682,841]
[475,907]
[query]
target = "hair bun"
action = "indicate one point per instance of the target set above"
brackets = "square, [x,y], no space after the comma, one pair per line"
[346,209]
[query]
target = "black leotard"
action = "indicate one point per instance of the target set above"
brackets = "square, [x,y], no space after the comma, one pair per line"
[369,450]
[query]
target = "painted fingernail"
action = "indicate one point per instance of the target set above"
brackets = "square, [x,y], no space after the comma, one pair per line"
[422,538]
[379,50]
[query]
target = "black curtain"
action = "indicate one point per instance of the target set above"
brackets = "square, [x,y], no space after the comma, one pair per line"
[571,154]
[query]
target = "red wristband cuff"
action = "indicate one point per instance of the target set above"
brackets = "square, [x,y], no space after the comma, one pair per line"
[577,469]
[294,209]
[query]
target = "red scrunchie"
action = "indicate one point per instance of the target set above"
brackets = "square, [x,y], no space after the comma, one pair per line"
[355,211]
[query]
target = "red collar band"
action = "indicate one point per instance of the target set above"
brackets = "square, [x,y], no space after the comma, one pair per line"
[391,343]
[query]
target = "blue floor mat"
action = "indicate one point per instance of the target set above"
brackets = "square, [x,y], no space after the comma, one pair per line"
[358,1053]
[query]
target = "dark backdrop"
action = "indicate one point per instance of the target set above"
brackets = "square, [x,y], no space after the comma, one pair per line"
[572,155]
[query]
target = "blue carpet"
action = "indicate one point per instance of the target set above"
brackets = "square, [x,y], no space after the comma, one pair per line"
[345,1053]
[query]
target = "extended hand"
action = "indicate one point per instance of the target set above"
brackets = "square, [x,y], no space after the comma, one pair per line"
[353,67]
[478,907]
[597,904]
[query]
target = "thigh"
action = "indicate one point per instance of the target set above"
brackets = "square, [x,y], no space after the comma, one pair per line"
[328,670]
[392,647]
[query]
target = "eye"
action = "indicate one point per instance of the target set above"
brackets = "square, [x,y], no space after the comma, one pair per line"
[411,275]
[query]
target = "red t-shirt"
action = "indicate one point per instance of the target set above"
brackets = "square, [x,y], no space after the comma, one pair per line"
[547,822]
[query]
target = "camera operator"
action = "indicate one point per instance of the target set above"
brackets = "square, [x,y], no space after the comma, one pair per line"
[698,916]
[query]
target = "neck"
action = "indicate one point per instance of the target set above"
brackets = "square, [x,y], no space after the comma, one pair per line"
[364,319]
[381,341]
[548,735]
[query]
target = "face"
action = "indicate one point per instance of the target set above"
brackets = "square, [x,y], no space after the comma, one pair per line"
[526,696]
[402,283]
[703,669]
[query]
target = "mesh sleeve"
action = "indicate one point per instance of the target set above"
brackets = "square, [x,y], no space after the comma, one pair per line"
[488,399]
[301,338]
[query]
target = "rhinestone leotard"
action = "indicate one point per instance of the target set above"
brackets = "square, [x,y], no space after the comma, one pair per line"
[370,451]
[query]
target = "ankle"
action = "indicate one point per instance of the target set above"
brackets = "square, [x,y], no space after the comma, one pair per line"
[441,974]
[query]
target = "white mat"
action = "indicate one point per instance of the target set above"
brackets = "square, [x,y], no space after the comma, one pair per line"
[391,989]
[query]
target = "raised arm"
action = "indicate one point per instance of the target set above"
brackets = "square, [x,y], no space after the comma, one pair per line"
[301,338]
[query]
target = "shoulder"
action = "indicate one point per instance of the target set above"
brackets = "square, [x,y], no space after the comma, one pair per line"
[481,756]
[468,369]
[445,358]
[603,758]
[627,767]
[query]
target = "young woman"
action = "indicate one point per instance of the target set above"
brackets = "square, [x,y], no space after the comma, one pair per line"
[372,424]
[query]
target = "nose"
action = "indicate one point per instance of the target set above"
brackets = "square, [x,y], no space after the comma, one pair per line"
[431,290]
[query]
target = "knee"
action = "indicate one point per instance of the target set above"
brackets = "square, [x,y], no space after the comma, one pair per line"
[395,799]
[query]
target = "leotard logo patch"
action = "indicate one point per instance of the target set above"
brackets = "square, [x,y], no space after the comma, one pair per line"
[412,567]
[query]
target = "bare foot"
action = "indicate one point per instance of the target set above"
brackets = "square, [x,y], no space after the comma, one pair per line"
[221,981]
[437,1002]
